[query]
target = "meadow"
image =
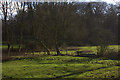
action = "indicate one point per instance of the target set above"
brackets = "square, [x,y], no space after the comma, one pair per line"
[60,39]
[61,67]
[44,66]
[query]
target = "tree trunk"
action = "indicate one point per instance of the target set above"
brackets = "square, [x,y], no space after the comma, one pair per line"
[119,27]
[48,51]
[9,49]
[19,48]
[20,42]
[57,49]
[56,41]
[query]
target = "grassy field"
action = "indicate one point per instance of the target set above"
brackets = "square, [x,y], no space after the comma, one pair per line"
[5,46]
[93,50]
[61,67]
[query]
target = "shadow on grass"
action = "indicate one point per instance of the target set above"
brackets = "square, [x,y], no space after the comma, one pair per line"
[75,73]
[88,55]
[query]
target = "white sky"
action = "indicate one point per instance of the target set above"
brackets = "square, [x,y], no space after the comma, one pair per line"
[109,1]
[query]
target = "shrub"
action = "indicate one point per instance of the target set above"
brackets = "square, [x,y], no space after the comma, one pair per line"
[101,50]
[112,54]
[105,51]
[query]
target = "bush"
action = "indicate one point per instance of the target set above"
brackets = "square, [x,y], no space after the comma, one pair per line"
[112,54]
[105,51]
[101,50]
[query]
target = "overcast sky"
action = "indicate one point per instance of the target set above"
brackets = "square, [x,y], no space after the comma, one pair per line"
[108,1]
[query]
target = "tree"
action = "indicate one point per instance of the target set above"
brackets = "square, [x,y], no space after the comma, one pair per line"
[7,12]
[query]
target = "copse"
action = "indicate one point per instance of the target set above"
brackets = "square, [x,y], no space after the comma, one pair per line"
[51,25]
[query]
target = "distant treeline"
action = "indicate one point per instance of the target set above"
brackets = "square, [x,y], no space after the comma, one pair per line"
[53,25]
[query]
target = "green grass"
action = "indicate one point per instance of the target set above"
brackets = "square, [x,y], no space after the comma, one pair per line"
[61,67]
[5,46]
[94,48]
[110,72]
[54,52]
[82,48]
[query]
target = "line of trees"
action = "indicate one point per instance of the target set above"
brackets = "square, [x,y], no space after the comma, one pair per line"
[52,25]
